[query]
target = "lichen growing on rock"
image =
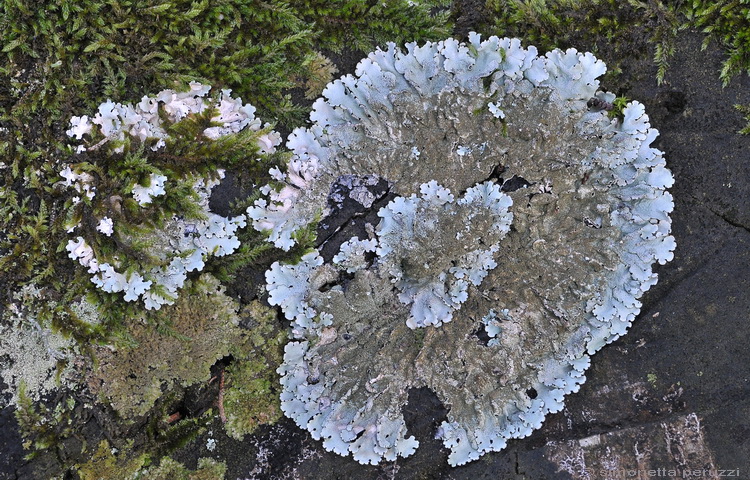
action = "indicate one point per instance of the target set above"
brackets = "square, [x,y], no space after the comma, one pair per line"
[140,225]
[170,469]
[179,247]
[434,248]
[131,379]
[589,213]
[33,354]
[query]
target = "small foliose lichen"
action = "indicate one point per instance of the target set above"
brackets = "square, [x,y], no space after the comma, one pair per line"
[150,118]
[419,235]
[145,259]
[561,213]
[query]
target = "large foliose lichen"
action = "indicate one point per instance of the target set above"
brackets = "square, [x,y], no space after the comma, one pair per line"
[589,211]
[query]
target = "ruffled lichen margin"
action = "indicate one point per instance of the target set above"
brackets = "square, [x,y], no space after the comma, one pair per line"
[590,215]
[182,242]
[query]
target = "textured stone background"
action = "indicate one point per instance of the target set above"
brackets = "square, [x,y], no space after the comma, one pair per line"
[673,393]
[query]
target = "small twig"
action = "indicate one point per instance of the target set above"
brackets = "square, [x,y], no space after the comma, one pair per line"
[100,143]
[220,401]
[394,469]
[174,417]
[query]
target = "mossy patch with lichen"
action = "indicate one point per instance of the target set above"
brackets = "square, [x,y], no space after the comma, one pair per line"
[107,463]
[169,469]
[104,464]
[612,30]
[618,30]
[252,384]
[42,426]
[62,58]
[176,345]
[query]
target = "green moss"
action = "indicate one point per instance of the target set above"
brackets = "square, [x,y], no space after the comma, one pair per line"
[611,29]
[618,105]
[360,25]
[728,22]
[617,30]
[320,71]
[253,249]
[62,58]
[745,110]
[43,427]
[169,469]
[163,437]
[176,345]
[138,243]
[419,334]
[252,384]
[105,465]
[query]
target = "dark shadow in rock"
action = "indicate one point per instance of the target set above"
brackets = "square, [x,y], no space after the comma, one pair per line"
[423,414]
[514,183]
[354,202]
[468,14]
[230,190]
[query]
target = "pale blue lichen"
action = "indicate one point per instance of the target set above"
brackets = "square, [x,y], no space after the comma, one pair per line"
[590,215]
[185,245]
[181,245]
[352,253]
[419,238]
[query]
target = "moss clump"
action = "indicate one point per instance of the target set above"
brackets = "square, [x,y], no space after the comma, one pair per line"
[169,469]
[104,464]
[176,345]
[359,25]
[745,110]
[113,47]
[107,464]
[180,345]
[43,427]
[728,22]
[618,106]
[320,71]
[252,384]
[60,58]
[610,29]
[617,30]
